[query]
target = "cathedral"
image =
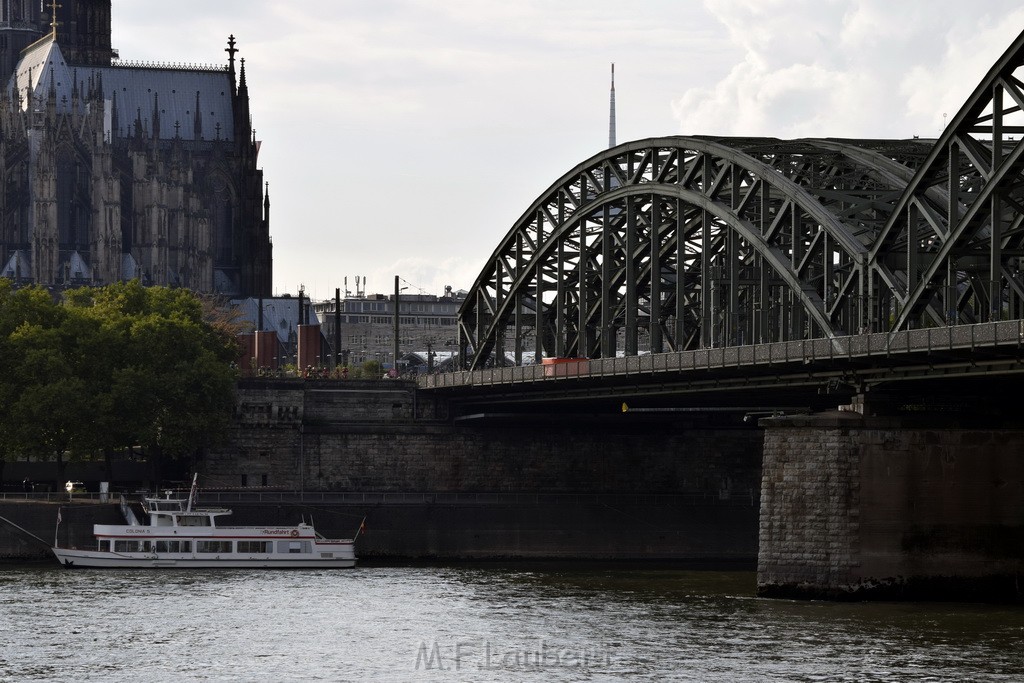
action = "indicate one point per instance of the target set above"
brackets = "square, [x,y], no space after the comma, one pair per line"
[114,171]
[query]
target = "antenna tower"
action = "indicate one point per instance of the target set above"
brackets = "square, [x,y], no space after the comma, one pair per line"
[611,112]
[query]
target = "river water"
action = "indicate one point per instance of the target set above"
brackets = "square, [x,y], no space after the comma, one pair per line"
[478,623]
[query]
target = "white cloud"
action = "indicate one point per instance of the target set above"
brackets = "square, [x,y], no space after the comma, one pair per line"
[868,68]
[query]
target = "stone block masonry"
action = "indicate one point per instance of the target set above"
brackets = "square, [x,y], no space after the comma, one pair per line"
[383,436]
[348,436]
[855,507]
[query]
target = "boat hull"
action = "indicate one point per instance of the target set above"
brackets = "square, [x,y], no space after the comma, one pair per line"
[75,559]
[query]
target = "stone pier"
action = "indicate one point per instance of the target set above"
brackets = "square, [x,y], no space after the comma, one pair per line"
[856,507]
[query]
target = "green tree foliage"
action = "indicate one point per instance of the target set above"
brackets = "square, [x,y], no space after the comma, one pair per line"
[112,367]
[372,369]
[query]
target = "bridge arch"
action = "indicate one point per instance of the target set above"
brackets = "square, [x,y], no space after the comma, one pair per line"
[666,244]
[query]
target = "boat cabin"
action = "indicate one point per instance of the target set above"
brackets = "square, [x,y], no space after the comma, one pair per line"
[179,512]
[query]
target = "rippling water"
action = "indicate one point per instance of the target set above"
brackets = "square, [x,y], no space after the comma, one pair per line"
[478,624]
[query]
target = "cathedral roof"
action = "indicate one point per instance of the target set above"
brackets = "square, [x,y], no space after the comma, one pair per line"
[174,92]
[18,266]
[42,67]
[198,100]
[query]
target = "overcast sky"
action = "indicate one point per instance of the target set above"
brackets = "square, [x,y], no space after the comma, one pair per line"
[405,137]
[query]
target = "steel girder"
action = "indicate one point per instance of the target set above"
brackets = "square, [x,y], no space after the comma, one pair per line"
[676,243]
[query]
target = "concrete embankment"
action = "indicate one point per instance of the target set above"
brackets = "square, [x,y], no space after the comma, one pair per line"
[585,527]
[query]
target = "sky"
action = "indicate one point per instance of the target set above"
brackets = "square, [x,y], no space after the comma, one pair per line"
[406,137]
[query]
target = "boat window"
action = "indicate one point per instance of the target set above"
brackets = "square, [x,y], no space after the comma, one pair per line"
[294,547]
[166,505]
[129,546]
[263,547]
[173,546]
[192,520]
[213,546]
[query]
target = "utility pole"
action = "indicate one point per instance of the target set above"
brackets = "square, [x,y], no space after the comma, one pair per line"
[337,328]
[396,325]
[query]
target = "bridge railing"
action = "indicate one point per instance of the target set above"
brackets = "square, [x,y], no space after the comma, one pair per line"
[746,497]
[1009,333]
[56,497]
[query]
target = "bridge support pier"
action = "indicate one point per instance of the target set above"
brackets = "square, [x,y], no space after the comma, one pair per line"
[856,507]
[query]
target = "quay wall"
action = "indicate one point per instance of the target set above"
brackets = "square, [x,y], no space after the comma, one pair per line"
[39,519]
[341,436]
[856,507]
[382,437]
[548,527]
[569,486]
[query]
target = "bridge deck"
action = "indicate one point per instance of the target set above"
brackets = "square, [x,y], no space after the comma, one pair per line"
[984,348]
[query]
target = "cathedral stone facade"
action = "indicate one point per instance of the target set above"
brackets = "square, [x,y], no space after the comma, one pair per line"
[113,171]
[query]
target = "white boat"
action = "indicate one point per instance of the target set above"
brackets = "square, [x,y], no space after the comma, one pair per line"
[181,535]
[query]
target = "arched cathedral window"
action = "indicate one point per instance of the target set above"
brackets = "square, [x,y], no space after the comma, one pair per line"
[73,203]
[221,219]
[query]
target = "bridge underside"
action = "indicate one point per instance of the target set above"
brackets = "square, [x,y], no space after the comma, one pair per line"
[682,243]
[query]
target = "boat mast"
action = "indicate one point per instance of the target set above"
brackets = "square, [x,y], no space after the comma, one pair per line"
[192,493]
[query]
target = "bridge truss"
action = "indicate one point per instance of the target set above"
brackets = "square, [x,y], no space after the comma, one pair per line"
[680,243]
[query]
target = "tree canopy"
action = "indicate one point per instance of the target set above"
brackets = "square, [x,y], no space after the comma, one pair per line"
[106,368]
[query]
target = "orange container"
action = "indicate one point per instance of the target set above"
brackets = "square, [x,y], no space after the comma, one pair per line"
[565,367]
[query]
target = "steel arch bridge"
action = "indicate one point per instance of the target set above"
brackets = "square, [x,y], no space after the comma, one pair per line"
[680,243]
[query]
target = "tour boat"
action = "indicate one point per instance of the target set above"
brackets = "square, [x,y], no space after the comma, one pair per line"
[182,535]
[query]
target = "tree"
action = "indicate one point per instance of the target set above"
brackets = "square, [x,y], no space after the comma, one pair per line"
[31,359]
[372,369]
[172,385]
[111,368]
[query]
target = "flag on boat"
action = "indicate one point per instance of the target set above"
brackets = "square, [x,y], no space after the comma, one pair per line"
[362,526]
[59,518]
